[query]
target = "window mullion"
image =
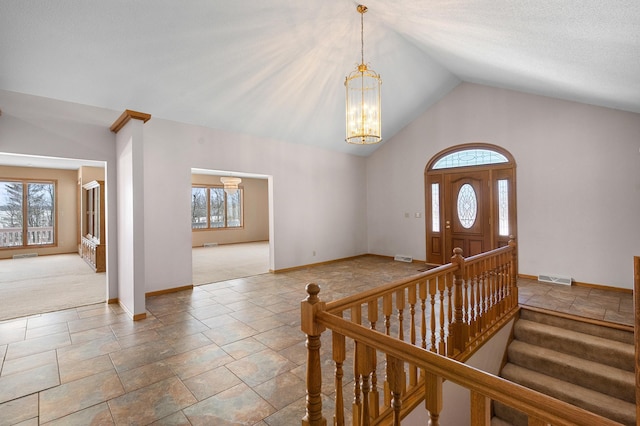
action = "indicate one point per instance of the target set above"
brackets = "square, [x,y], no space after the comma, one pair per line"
[25,209]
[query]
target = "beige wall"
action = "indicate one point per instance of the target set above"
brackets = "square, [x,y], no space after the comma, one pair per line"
[256,214]
[66,208]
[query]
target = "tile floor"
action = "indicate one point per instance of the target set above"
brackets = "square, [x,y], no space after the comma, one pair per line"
[228,353]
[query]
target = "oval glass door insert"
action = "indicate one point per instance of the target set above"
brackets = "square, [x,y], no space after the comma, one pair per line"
[467,206]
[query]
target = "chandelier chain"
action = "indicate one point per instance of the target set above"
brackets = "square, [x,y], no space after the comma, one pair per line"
[362,37]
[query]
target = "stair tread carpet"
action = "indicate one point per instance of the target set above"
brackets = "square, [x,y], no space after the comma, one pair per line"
[596,402]
[593,348]
[602,378]
[612,332]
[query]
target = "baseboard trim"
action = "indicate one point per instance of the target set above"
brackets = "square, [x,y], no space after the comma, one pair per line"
[581,284]
[169,290]
[139,317]
[329,262]
[113,301]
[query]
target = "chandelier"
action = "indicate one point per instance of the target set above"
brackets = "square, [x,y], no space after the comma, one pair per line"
[364,122]
[230,184]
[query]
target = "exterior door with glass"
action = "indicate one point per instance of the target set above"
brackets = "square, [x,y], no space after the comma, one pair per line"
[470,201]
[467,212]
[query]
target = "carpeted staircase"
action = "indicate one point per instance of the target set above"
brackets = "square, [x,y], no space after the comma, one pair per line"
[587,365]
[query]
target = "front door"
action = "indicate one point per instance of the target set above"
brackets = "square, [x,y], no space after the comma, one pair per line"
[467,212]
[470,201]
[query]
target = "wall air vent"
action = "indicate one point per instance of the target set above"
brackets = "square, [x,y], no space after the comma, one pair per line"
[555,279]
[24,255]
[403,258]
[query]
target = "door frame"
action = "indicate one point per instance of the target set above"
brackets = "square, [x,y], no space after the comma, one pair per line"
[437,236]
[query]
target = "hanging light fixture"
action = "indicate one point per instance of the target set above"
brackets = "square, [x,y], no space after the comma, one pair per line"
[230,184]
[364,123]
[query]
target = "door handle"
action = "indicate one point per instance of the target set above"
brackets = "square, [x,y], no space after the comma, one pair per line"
[448,224]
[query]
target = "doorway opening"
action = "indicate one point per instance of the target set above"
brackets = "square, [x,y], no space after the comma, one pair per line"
[470,201]
[39,274]
[230,227]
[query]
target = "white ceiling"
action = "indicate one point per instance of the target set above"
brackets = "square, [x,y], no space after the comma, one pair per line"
[276,68]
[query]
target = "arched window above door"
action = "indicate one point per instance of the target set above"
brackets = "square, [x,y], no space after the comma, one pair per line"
[469,155]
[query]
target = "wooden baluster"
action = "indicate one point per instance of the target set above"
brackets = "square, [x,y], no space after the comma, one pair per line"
[374,401]
[422,290]
[412,298]
[514,272]
[443,289]
[458,328]
[364,360]
[471,277]
[309,307]
[387,310]
[466,317]
[400,308]
[432,300]
[356,409]
[339,355]
[433,397]
[395,378]
[492,291]
[480,409]
[487,292]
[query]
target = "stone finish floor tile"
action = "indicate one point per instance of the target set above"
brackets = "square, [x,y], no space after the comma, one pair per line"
[19,410]
[225,353]
[27,382]
[75,396]
[95,415]
[211,382]
[230,408]
[154,402]
[37,345]
[260,367]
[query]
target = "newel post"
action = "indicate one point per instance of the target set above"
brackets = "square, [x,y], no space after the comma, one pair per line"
[460,330]
[309,307]
[514,269]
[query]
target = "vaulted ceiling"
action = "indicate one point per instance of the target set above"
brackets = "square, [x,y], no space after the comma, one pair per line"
[276,68]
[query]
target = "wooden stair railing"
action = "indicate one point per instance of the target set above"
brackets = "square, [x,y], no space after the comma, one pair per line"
[484,387]
[446,312]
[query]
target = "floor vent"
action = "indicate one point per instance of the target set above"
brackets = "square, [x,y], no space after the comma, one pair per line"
[210,245]
[24,255]
[403,258]
[555,279]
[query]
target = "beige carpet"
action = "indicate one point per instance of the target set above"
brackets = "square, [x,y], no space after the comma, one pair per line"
[41,284]
[229,261]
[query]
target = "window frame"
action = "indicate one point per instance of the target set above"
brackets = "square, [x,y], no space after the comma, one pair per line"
[25,213]
[208,226]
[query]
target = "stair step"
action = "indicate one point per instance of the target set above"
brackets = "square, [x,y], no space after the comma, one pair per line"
[596,402]
[593,348]
[592,375]
[505,415]
[599,330]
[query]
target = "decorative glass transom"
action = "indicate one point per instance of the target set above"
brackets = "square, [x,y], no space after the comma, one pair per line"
[470,157]
[467,206]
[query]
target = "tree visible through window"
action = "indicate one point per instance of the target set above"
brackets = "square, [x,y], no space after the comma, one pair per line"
[27,213]
[214,208]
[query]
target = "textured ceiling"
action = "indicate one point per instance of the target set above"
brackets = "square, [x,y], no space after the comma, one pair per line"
[276,68]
